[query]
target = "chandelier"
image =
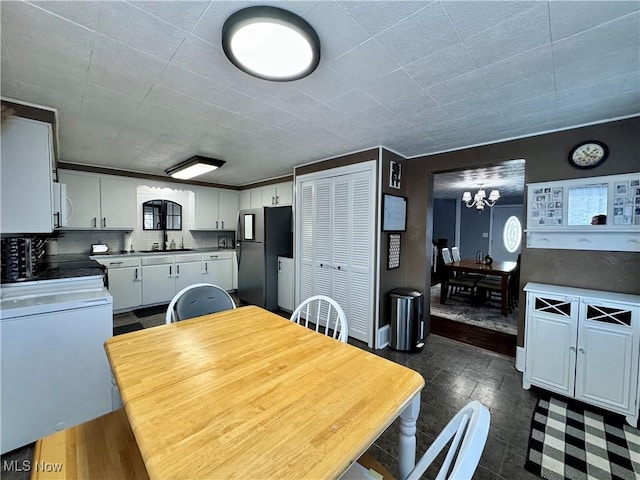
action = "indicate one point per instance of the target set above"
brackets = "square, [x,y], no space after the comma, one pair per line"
[480,199]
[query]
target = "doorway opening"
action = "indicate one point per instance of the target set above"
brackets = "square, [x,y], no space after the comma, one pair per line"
[494,231]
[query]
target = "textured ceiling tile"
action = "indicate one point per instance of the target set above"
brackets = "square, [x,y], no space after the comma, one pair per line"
[378,16]
[414,104]
[532,87]
[27,27]
[337,30]
[324,84]
[473,17]
[55,61]
[121,59]
[520,67]
[514,111]
[352,103]
[423,33]
[484,102]
[131,85]
[183,14]
[392,87]
[68,106]
[436,68]
[511,37]
[456,89]
[593,91]
[197,56]
[569,18]
[485,122]
[83,13]
[29,73]
[139,30]
[364,63]
[97,94]
[609,39]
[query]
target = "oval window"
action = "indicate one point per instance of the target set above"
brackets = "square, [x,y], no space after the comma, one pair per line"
[512,234]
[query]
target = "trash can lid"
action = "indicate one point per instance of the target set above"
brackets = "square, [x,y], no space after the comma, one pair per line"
[405,292]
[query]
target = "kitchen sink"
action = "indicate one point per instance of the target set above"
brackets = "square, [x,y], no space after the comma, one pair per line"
[167,251]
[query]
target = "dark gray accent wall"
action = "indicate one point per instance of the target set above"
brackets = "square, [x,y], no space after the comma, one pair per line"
[444,219]
[546,160]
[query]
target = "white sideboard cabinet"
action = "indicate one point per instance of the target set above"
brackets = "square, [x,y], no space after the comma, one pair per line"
[584,344]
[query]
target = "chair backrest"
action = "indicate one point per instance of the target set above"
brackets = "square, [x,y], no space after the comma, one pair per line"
[446,255]
[455,253]
[325,313]
[469,429]
[196,300]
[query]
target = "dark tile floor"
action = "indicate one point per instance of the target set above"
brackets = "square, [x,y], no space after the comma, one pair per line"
[455,373]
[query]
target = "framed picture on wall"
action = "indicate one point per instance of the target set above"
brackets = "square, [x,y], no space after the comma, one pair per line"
[395,174]
[393,255]
[394,213]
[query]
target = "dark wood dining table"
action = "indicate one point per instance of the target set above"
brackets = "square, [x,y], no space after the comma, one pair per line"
[502,269]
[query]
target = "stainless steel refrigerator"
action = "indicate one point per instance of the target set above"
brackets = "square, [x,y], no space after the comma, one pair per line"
[264,234]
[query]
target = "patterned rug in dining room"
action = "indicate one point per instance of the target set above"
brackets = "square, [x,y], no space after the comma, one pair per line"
[568,441]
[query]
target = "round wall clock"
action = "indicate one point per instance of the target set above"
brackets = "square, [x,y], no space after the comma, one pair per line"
[588,154]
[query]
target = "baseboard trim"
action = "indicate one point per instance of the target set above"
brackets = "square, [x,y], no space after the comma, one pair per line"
[520,359]
[382,339]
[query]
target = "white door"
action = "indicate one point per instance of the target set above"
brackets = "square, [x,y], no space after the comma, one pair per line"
[506,235]
[228,206]
[125,287]
[305,233]
[285,283]
[606,357]
[284,193]
[187,273]
[206,205]
[118,199]
[550,346]
[219,272]
[159,284]
[83,200]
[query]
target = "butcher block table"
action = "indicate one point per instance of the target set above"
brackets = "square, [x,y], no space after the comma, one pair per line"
[248,394]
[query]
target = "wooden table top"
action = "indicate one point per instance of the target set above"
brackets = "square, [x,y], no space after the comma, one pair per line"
[246,393]
[498,267]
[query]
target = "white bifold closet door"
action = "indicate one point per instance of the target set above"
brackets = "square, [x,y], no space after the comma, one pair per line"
[336,229]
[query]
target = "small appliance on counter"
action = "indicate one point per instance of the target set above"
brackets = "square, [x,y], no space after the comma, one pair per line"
[98,248]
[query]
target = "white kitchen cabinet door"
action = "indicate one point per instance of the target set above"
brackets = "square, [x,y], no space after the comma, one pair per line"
[256,198]
[551,345]
[245,199]
[228,208]
[206,205]
[218,271]
[187,273]
[125,286]
[269,196]
[118,203]
[284,193]
[83,200]
[26,195]
[158,283]
[285,284]
[607,365]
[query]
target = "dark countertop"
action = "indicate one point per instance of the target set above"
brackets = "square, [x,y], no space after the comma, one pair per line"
[160,252]
[54,267]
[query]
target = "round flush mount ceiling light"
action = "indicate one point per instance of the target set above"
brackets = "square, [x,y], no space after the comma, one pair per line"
[271,43]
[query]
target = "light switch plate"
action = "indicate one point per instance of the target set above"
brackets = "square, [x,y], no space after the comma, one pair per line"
[485,235]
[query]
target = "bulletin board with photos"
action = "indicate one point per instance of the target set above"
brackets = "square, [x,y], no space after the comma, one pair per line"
[591,213]
[549,204]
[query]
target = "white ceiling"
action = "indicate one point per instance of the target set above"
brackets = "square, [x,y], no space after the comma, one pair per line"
[141,86]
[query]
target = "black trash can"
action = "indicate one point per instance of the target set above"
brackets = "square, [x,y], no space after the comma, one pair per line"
[407,326]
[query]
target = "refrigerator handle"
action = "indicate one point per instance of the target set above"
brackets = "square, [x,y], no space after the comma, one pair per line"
[238,242]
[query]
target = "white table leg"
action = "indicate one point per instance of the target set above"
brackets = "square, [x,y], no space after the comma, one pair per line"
[407,452]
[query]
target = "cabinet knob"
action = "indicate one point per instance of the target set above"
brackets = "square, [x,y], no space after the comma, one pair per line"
[581,350]
[95,222]
[277,199]
[104,222]
[572,348]
[273,200]
[222,224]
[216,223]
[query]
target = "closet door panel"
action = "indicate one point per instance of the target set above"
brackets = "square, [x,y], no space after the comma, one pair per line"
[322,222]
[306,241]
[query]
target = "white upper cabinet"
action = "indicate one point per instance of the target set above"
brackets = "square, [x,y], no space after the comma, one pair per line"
[216,209]
[26,196]
[99,202]
[245,199]
[277,195]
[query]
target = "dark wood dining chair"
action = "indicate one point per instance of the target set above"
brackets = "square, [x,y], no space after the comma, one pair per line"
[492,287]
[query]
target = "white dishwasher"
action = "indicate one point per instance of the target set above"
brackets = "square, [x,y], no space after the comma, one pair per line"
[54,371]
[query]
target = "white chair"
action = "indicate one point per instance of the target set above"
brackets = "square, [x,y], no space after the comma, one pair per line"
[325,312]
[469,429]
[458,282]
[455,253]
[446,256]
[196,300]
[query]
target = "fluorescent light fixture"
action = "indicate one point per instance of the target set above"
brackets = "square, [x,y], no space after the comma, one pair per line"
[193,167]
[271,43]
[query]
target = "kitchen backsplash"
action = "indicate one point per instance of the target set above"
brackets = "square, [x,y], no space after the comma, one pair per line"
[74,241]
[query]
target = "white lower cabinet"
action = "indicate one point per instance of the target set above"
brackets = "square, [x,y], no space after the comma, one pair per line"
[584,344]
[285,283]
[188,270]
[125,282]
[217,268]
[158,280]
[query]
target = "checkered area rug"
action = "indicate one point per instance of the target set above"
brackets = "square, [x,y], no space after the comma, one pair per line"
[569,442]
